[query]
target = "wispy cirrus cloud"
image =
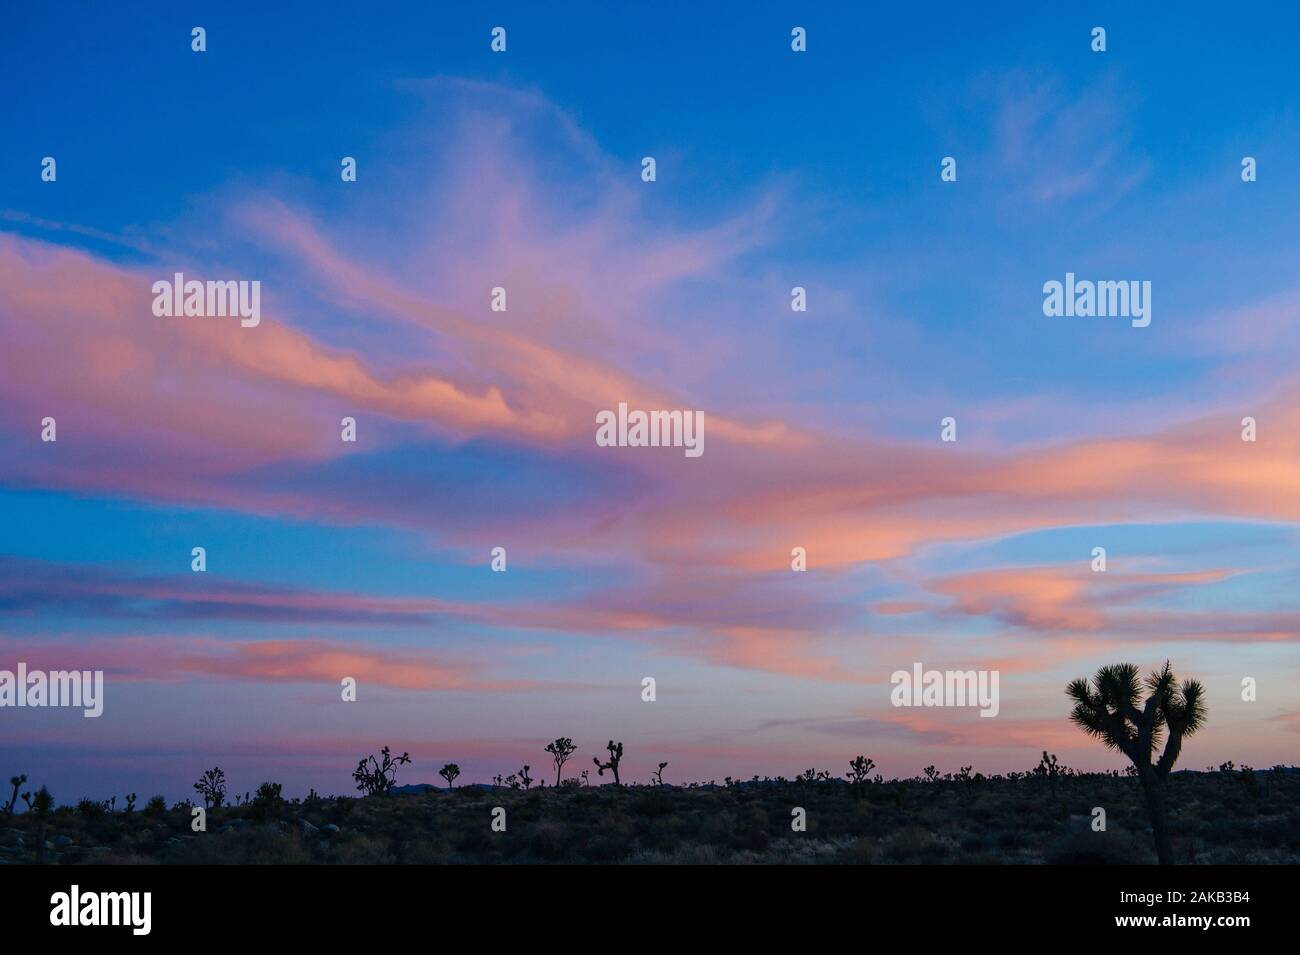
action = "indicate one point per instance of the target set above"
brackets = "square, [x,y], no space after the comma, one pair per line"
[175,411]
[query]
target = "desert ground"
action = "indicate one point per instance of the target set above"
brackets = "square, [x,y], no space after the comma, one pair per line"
[1046,816]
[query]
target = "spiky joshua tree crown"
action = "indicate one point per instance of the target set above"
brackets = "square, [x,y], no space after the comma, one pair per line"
[1112,710]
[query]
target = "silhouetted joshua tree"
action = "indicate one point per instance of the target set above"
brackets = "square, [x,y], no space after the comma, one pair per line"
[1048,768]
[524,777]
[860,770]
[14,781]
[560,752]
[449,772]
[376,777]
[615,757]
[1108,710]
[212,787]
[659,774]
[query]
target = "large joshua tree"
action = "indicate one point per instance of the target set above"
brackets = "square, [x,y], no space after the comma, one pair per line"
[1112,710]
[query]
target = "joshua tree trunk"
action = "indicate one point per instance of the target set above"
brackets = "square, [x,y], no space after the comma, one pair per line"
[1154,791]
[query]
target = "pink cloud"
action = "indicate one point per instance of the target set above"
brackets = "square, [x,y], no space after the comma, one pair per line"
[173,659]
[1074,600]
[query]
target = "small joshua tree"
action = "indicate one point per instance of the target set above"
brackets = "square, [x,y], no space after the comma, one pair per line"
[130,803]
[1108,710]
[860,770]
[615,757]
[212,787]
[14,781]
[449,773]
[560,752]
[1050,770]
[659,774]
[524,777]
[375,777]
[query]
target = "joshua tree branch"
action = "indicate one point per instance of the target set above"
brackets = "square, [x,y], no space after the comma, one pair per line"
[1147,725]
[1172,747]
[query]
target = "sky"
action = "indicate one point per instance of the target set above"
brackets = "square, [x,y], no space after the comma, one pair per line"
[475,428]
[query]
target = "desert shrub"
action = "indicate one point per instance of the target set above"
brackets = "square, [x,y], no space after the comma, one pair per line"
[475,841]
[548,840]
[652,803]
[693,854]
[608,847]
[1013,839]
[912,844]
[861,851]
[359,849]
[427,851]
[1079,845]
[752,829]
[268,802]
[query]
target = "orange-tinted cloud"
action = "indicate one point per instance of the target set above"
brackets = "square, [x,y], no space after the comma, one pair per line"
[1074,600]
[274,661]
